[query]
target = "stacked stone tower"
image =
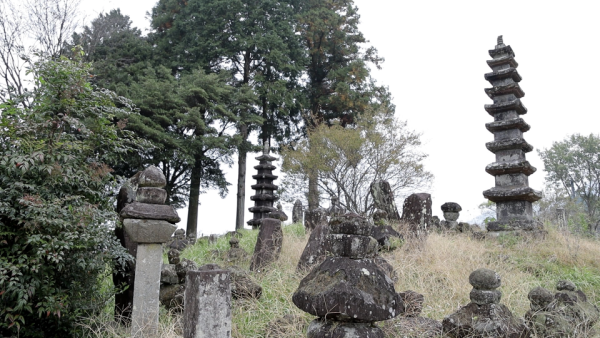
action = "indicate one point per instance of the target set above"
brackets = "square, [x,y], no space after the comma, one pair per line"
[512,194]
[348,291]
[264,196]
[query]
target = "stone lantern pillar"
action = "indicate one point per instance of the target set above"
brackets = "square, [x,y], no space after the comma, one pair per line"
[512,194]
[149,223]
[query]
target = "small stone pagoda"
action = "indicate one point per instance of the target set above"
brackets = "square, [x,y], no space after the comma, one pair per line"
[348,291]
[512,194]
[264,196]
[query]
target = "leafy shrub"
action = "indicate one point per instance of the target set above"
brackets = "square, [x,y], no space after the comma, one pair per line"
[55,199]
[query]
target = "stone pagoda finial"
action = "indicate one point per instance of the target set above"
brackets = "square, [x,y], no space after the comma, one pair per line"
[512,194]
[500,42]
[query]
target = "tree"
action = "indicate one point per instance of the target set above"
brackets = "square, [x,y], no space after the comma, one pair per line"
[254,40]
[57,199]
[574,165]
[348,160]
[27,27]
[339,84]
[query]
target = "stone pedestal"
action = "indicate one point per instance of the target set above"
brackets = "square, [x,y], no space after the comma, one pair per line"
[207,312]
[512,194]
[268,244]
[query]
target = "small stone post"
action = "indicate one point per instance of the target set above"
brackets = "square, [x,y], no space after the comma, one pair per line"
[147,221]
[207,312]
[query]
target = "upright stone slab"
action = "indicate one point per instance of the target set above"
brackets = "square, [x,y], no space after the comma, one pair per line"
[416,211]
[207,312]
[297,212]
[264,187]
[268,244]
[383,197]
[148,223]
[314,252]
[512,194]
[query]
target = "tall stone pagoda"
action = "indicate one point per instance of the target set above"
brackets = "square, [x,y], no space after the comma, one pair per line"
[512,194]
[264,196]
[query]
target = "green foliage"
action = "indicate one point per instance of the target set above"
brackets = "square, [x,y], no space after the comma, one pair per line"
[574,165]
[347,160]
[56,204]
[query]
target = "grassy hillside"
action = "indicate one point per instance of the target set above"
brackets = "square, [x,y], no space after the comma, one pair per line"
[438,268]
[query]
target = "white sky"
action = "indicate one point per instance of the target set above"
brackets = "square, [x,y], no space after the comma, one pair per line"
[435,55]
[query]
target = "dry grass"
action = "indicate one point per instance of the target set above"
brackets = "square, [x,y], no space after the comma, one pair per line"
[437,267]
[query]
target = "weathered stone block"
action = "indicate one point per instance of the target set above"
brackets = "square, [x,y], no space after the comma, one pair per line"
[417,212]
[144,317]
[171,296]
[348,289]
[351,246]
[485,279]
[150,211]
[148,230]
[482,297]
[314,252]
[152,177]
[151,195]
[168,274]
[320,328]
[297,214]
[268,244]
[314,218]
[207,312]
[350,224]
[383,197]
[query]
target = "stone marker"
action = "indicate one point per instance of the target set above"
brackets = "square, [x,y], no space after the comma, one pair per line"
[264,187]
[268,244]
[484,316]
[564,314]
[314,218]
[179,240]
[348,291]
[297,213]
[235,253]
[416,211]
[451,212]
[207,312]
[149,230]
[278,214]
[314,252]
[383,197]
[512,194]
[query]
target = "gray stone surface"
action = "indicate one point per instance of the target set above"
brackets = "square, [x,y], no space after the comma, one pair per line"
[297,213]
[207,312]
[314,218]
[152,177]
[268,244]
[150,211]
[151,195]
[451,207]
[485,279]
[168,274]
[171,296]
[148,230]
[144,317]
[383,197]
[351,246]
[314,252]
[416,211]
[330,329]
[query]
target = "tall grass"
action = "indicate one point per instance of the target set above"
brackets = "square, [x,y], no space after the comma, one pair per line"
[437,267]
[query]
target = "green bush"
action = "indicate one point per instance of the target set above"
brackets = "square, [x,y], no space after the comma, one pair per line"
[56,209]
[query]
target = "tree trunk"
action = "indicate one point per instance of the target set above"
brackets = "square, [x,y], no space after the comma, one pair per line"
[192,222]
[241,186]
[313,191]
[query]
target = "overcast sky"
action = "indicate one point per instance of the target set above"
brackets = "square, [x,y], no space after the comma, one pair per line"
[435,54]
